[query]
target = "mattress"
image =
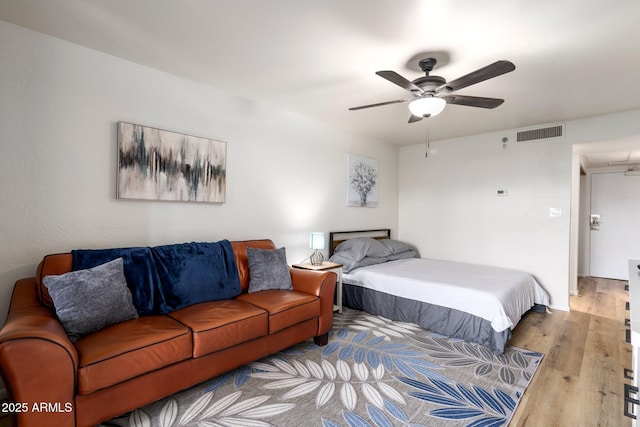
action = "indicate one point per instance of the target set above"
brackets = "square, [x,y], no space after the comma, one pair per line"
[497,295]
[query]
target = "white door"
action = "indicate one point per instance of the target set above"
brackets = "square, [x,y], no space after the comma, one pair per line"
[615,224]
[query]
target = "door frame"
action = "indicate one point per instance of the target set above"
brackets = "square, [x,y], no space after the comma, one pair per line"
[580,239]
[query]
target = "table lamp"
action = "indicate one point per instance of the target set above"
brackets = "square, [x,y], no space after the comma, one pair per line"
[316,242]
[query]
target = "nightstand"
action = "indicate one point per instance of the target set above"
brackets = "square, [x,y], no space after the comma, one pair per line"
[327,266]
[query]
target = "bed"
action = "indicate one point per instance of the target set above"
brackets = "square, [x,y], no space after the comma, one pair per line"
[476,303]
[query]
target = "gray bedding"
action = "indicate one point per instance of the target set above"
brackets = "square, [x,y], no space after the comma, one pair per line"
[438,319]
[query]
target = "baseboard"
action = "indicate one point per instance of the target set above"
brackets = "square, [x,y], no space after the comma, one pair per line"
[560,307]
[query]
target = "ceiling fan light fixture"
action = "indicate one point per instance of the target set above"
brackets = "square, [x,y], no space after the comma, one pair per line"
[427,107]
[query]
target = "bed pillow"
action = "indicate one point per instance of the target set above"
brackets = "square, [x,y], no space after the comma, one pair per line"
[89,300]
[404,255]
[349,264]
[396,246]
[360,247]
[350,252]
[268,269]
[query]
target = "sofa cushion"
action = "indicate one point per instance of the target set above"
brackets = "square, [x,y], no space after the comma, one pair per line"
[127,350]
[285,308]
[268,269]
[191,273]
[89,300]
[217,325]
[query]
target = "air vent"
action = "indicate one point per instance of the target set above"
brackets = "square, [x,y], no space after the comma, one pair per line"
[537,134]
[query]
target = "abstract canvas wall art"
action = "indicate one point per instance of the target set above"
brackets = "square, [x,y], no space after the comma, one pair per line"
[155,164]
[362,181]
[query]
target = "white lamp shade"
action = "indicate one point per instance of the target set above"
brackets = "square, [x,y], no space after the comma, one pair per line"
[316,241]
[428,106]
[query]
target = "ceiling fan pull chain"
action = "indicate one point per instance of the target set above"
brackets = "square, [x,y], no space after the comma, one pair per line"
[426,153]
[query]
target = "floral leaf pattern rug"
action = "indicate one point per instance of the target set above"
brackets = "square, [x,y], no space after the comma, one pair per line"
[373,372]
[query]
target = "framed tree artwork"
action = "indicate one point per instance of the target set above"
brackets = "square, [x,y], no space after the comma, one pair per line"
[362,181]
[155,164]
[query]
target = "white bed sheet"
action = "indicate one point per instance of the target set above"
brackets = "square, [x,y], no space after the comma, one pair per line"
[498,295]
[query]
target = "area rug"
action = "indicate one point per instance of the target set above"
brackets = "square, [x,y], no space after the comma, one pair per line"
[373,372]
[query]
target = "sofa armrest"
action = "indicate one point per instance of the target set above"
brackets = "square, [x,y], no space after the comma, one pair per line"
[321,284]
[38,362]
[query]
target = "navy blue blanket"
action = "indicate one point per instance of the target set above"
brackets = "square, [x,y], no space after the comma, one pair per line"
[191,273]
[166,278]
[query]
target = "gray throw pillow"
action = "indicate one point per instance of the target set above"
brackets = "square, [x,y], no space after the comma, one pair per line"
[89,300]
[268,269]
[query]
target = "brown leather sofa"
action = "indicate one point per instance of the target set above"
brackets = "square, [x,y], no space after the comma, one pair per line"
[53,382]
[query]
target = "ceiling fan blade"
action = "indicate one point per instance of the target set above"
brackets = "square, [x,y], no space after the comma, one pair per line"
[473,101]
[397,101]
[414,118]
[490,71]
[397,79]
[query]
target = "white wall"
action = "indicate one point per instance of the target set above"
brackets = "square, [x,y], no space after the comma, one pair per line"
[449,208]
[59,105]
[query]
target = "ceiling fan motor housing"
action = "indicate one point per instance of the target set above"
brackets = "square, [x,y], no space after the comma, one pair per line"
[429,83]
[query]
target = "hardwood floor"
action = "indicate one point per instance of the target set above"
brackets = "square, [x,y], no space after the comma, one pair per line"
[581,378]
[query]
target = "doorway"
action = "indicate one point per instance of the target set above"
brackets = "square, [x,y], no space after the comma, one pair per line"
[614,227]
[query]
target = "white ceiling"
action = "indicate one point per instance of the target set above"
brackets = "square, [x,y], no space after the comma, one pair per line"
[574,58]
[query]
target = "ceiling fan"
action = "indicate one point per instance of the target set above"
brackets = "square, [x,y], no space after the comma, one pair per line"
[432,93]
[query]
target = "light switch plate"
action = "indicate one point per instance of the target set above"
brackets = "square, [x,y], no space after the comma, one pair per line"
[555,212]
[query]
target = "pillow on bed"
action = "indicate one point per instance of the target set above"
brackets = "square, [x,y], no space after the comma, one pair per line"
[360,247]
[349,264]
[366,261]
[396,246]
[404,255]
